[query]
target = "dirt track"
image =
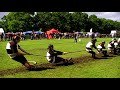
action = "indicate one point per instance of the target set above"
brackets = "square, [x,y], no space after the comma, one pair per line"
[45,66]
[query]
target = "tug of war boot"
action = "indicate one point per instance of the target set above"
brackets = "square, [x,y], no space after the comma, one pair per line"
[93,55]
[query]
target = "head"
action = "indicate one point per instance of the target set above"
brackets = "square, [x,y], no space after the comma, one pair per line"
[50,47]
[16,39]
[103,42]
[94,40]
[115,40]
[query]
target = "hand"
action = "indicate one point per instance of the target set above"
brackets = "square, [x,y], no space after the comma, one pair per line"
[28,53]
[98,52]
[65,52]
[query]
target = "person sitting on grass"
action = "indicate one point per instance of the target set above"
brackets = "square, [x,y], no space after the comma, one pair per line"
[89,47]
[12,51]
[52,56]
[101,49]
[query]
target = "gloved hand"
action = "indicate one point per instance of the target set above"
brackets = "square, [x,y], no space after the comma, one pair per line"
[65,52]
[29,54]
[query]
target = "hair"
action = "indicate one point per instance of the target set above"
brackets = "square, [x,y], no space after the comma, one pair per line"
[16,38]
[113,39]
[50,46]
[94,40]
[103,41]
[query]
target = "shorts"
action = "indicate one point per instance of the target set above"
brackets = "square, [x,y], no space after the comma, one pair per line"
[20,59]
[88,49]
[57,60]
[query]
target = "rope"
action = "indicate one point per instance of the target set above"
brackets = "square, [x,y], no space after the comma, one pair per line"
[76,51]
[38,55]
[48,56]
[32,62]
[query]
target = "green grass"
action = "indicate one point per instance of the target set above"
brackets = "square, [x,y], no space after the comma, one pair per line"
[103,68]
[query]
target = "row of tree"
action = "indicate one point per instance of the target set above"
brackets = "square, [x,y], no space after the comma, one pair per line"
[63,21]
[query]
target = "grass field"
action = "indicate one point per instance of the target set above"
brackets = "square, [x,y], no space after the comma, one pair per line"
[102,68]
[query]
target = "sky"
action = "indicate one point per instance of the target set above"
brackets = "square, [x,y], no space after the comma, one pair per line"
[107,15]
[2,14]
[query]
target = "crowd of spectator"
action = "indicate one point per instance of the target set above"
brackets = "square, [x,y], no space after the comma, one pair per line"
[38,36]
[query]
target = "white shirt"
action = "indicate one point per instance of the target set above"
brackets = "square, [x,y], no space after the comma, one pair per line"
[89,45]
[115,44]
[109,45]
[49,58]
[99,47]
[12,55]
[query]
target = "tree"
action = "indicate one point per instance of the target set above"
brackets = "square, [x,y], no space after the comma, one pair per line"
[63,21]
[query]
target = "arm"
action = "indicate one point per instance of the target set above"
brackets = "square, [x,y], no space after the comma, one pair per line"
[14,49]
[58,52]
[24,52]
[95,47]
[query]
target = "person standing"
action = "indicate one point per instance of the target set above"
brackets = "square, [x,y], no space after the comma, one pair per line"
[75,38]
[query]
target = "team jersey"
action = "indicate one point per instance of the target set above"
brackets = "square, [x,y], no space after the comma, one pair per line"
[116,44]
[12,49]
[99,47]
[109,45]
[89,45]
[51,56]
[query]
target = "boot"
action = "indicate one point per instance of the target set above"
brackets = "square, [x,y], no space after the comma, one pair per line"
[93,55]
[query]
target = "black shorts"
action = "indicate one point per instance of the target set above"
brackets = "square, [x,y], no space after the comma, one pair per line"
[57,60]
[20,59]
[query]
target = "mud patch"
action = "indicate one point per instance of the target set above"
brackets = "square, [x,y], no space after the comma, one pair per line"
[45,66]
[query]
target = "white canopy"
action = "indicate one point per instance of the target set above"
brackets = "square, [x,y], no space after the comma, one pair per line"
[1,30]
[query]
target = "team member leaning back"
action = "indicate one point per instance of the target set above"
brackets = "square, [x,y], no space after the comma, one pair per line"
[12,50]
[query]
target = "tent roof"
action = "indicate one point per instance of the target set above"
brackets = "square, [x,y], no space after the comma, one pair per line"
[52,31]
[1,30]
[29,32]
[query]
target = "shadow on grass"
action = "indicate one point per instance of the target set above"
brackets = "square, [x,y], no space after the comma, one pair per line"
[105,57]
[22,69]
[64,64]
[40,68]
[46,66]
[102,58]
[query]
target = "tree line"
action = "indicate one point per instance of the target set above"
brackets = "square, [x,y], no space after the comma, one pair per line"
[63,21]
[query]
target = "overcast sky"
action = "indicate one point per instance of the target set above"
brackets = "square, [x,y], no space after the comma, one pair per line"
[2,14]
[107,15]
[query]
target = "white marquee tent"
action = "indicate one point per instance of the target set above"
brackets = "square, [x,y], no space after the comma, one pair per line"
[1,30]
